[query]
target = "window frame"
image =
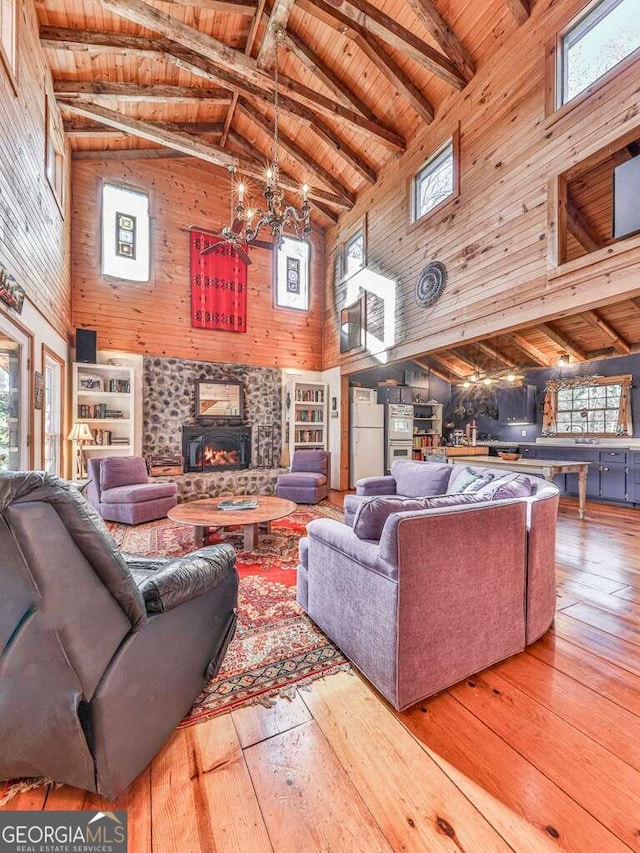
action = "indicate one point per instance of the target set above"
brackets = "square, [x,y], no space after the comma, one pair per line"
[352,234]
[49,355]
[10,62]
[600,381]
[54,156]
[276,303]
[102,183]
[554,70]
[416,222]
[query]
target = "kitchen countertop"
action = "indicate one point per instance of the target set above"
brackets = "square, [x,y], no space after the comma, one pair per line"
[605,444]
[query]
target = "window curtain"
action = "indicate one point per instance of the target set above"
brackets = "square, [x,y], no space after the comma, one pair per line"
[218,285]
[624,412]
[549,420]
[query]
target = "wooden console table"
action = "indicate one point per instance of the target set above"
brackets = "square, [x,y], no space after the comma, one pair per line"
[547,468]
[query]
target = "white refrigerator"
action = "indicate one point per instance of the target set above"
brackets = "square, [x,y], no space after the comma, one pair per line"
[366,418]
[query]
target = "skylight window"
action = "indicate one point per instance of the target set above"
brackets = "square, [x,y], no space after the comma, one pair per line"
[595,44]
[125,233]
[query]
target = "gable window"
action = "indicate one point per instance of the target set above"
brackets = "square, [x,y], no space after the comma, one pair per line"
[353,256]
[9,38]
[54,155]
[435,183]
[601,407]
[125,233]
[292,274]
[603,37]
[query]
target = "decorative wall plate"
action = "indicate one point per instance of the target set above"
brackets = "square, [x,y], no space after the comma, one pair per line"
[431,283]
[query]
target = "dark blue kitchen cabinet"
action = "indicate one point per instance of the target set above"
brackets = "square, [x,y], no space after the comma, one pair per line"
[517,405]
[528,452]
[613,482]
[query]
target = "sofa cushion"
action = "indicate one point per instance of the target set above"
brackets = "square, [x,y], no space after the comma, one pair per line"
[420,479]
[314,461]
[469,480]
[138,493]
[372,514]
[509,486]
[118,471]
[302,480]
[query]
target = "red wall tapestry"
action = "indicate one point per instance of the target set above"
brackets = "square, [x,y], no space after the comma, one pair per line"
[218,285]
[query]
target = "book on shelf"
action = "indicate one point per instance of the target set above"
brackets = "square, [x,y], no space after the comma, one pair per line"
[98,411]
[232,504]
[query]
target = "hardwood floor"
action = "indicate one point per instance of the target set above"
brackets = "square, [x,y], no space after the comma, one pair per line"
[538,753]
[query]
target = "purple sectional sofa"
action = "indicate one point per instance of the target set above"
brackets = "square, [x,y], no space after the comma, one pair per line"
[423,590]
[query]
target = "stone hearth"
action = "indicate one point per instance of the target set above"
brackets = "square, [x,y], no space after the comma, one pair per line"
[252,481]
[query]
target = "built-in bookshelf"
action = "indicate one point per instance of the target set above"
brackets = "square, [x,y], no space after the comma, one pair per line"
[308,414]
[103,397]
[427,427]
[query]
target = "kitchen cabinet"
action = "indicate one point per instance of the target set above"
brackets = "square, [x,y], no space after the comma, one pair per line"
[529,452]
[517,405]
[613,482]
[395,394]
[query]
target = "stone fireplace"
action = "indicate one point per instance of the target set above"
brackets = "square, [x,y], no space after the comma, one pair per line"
[207,449]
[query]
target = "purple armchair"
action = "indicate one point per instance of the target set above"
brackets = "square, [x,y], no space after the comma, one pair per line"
[310,477]
[120,490]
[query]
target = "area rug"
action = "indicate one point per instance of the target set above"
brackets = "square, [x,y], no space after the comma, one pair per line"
[277,649]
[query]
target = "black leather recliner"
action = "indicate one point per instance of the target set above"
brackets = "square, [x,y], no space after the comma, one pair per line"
[101,653]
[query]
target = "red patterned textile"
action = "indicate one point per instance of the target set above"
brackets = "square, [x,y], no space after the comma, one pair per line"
[218,285]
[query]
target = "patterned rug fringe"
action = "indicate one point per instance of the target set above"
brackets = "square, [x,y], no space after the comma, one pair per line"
[288,692]
[23,785]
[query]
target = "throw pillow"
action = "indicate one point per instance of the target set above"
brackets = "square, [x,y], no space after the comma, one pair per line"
[372,514]
[420,479]
[518,488]
[469,481]
[118,471]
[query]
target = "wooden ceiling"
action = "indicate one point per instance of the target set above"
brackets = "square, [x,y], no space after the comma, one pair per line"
[613,330]
[195,77]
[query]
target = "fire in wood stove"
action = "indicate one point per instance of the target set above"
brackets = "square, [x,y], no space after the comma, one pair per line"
[214,458]
[215,448]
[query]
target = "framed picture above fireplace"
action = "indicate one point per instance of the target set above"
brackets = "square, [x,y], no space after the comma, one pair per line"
[218,400]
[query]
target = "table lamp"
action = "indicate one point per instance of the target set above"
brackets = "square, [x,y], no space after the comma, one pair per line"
[80,434]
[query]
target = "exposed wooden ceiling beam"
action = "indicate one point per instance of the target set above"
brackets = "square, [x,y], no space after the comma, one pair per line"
[442,363]
[580,229]
[635,301]
[597,322]
[423,365]
[128,154]
[463,359]
[87,129]
[237,7]
[559,338]
[251,40]
[375,52]
[298,153]
[135,93]
[520,10]
[235,67]
[494,354]
[160,132]
[278,21]
[360,14]
[536,355]
[344,149]
[307,56]
[442,33]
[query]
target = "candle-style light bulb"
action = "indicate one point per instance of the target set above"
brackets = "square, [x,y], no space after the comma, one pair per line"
[269,177]
[305,192]
[241,189]
[249,215]
[511,378]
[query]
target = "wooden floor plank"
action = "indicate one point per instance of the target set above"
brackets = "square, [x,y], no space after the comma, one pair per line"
[599,642]
[605,601]
[416,805]
[255,722]
[601,783]
[203,799]
[629,593]
[306,797]
[496,777]
[605,678]
[618,626]
[33,800]
[613,727]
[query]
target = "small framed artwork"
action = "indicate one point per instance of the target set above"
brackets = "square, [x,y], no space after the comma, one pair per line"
[352,326]
[125,235]
[38,389]
[86,382]
[292,274]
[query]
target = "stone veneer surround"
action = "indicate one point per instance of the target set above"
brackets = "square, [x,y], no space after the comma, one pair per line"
[169,402]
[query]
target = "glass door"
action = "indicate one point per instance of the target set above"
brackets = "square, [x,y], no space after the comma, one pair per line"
[14,402]
[52,413]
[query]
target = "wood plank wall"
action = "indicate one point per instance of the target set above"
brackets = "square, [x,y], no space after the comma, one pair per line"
[155,318]
[34,244]
[493,237]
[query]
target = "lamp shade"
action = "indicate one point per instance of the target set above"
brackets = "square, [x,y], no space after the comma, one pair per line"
[80,432]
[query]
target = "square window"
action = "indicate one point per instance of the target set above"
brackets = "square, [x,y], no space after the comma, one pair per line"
[435,183]
[596,43]
[54,154]
[125,233]
[9,38]
[292,274]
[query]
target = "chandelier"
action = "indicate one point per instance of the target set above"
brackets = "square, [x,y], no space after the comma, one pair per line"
[278,216]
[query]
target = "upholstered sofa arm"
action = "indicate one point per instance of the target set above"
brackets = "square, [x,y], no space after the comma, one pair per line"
[376,486]
[165,583]
[340,538]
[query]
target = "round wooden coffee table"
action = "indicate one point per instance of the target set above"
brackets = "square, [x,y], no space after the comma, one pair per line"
[204,514]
